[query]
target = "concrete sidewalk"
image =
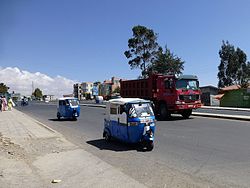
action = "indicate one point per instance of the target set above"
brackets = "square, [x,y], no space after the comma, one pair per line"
[32,155]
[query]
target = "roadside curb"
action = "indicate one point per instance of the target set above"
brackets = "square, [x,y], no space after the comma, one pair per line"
[94,105]
[222,116]
[225,108]
[38,122]
[45,126]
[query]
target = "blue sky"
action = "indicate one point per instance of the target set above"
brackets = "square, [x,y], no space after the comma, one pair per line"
[85,40]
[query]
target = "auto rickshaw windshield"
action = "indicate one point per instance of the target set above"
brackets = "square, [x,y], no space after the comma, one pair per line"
[141,110]
[73,102]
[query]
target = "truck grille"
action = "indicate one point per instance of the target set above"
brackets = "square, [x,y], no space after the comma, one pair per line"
[189,98]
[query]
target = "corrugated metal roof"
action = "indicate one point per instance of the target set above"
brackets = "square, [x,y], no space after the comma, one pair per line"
[230,88]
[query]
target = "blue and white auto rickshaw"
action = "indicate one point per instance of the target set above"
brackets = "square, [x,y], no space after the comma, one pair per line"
[68,107]
[130,120]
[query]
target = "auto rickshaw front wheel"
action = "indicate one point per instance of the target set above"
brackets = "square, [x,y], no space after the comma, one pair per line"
[147,146]
[150,146]
[106,136]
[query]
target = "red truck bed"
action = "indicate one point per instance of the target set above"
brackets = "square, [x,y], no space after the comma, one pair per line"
[142,88]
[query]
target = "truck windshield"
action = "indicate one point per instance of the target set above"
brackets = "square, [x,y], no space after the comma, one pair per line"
[187,84]
[141,110]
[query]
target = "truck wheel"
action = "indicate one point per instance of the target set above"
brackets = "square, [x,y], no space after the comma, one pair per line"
[106,136]
[186,113]
[164,113]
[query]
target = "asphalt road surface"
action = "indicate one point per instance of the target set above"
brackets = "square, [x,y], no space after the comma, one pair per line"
[213,152]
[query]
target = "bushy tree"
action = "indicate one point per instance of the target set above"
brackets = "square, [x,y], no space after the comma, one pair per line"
[142,48]
[167,62]
[38,93]
[233,68]
[3,88]
[117,90]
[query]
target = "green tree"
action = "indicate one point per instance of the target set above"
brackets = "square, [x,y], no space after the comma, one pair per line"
[38,93]
[97,83]
[116,90]
[233,68]
[167,62]
[142,48]
[3,88]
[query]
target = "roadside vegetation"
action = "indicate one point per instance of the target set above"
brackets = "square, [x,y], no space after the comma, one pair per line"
[146,54]
[234,69]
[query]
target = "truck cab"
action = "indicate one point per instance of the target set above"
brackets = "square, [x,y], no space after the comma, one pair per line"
[178,94]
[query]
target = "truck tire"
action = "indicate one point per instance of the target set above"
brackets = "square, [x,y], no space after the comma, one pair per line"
[186,113]
[164,113]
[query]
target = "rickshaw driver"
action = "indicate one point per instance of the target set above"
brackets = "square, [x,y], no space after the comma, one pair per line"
[141,110]
[123,115]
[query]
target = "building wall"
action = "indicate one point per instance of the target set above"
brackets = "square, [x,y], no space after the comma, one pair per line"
[236,98]
[214,101]
[207,95]
[87,87]
[105,89]
[109,86]
[77,91]
[211,90]
[205,99]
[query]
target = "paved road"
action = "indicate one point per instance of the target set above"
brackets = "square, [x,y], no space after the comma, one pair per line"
[213,151]
[206,109]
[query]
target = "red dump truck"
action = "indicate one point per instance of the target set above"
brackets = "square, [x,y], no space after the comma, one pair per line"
[169,93]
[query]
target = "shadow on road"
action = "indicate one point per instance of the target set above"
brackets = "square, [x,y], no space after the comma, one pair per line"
[114,145]
[55,119]
[175,118]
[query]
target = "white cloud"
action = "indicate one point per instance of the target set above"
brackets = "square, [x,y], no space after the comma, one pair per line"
[20,81]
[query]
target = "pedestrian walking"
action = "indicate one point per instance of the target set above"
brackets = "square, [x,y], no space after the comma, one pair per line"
[10,103]
[5,104]
[1,104]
